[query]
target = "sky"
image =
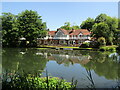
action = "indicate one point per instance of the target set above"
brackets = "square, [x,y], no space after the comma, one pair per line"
[55,14]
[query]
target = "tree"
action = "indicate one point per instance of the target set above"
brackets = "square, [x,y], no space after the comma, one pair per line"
[76,27]
[112,24]
[101,30]
[9,30]
[101,18]
[31,26]
[68,26]
[87,24]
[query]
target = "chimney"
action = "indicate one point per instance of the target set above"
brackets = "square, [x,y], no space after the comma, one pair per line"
[58,29]
[73,29]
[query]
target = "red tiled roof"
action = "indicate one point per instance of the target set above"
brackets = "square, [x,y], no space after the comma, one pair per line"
[52,33]
[66,32]
[75,32]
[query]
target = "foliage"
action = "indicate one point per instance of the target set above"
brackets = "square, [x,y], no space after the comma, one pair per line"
[67,26]
[87,24]
[10,34]
[30,26]
[117,37]
[27,24]
[101,18]
[105,26]
[102,30]
[94,44]
[28,81]
[101,41]
[118,48]
[85,45]
[107,48]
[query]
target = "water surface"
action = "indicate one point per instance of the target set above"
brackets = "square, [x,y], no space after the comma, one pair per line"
[67,64]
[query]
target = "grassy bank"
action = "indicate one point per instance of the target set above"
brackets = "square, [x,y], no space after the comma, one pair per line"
[101,48]
[108,48]
[47,46]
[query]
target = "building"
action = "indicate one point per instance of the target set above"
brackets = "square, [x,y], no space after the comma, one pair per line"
[66,37]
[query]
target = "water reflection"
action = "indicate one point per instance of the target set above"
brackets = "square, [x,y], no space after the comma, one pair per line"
[69,63]
[22,60]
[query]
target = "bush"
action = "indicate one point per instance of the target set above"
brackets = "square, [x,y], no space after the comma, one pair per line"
[25,82]
[118,48]
[107,49]
[85,45]
[94,44]
[101,41]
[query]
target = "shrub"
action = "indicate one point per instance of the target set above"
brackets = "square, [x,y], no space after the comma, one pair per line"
[101,41]
[94,44]
[107,49]
[25,82]
[85,45]
[118,48]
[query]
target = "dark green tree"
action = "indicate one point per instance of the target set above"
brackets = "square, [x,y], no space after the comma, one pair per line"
[101,30]
[9,30]
[101,18]
[112,25]
[87,24]
[31,27]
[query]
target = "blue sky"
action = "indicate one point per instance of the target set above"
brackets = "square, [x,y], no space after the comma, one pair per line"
[55,14]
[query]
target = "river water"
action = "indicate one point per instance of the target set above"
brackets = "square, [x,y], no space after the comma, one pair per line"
[89,68]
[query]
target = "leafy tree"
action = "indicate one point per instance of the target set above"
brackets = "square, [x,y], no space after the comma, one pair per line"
[9,30]
[101,18]
[31,26]
[110,33]
[101,30]
[87,24]
[76,27]
[67,26]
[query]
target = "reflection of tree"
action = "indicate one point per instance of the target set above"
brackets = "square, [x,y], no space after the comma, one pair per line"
[90,78]
[103,66]
[22,60]
[119,69]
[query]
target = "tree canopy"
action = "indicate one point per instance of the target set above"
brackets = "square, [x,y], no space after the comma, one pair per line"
[87,24]
[27,24]
[68,26]
[9,30]
[105,26]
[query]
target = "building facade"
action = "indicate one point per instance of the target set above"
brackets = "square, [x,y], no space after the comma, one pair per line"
[66,37]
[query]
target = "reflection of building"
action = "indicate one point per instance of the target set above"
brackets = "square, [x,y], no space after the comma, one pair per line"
[66,37]
[60,58]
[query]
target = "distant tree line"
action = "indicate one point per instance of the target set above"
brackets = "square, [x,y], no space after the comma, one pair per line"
[104,28]
[22,29]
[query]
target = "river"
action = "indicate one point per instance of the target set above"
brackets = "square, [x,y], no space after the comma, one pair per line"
[102,68]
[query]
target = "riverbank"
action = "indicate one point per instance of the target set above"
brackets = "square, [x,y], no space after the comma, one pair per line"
[65,48]
[102,48]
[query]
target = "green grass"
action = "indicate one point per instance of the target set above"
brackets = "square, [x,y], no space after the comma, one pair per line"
[108,48]
[58,46]
[85,48]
